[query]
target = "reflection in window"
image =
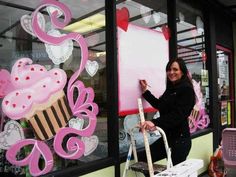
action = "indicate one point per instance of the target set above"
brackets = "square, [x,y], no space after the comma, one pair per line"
[191,47]
[223,74]
[224,95]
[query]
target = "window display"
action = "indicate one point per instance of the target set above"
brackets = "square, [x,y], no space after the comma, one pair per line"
[191,47]
[53,89]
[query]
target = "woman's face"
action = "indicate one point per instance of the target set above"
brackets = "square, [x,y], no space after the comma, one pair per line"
[174,73]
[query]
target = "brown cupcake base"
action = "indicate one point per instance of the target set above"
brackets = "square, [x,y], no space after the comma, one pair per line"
[46,123]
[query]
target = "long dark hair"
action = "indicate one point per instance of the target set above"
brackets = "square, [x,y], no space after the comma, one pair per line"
[183,68]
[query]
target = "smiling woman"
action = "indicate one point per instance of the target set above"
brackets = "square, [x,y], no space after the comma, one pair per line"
[175,105]
[174,73]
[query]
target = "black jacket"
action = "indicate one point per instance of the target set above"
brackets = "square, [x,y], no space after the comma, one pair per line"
[175,106]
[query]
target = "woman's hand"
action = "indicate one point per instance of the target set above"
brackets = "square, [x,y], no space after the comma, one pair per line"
[147,125]
[143,85]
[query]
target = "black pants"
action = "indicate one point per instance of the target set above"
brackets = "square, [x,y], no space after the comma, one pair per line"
[179,150]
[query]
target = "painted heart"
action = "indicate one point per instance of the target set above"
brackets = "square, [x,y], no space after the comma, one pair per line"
[5,83]
[204,57]
[181,17]
[146,13]
[122,16]
[59,53]
[91,67]
[157,17]
[90,143]
[12,133]
[26,23]
[76,123]
[166,32]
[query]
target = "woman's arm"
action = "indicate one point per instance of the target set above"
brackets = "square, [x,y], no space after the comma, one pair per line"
[185,100]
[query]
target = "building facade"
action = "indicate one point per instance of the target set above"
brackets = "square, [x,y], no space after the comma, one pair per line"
[78,61]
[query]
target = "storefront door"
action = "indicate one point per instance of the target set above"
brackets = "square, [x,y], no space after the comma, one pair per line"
[225,86]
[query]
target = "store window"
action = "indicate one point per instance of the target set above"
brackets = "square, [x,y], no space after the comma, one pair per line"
[225,87]
[84,104]
[191,47]
[141,43]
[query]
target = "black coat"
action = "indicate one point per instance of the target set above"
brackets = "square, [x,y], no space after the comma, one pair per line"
[175,105]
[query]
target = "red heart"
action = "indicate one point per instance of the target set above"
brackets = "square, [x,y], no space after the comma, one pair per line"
[166,32]
[204,57]
[122,17]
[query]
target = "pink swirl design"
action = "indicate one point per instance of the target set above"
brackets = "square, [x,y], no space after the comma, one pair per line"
[43,36]
[83,107]
[40,149]
[199,122]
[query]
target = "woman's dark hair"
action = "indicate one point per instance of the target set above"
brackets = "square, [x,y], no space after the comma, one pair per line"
[183,68]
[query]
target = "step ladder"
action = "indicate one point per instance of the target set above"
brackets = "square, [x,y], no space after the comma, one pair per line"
[143,167]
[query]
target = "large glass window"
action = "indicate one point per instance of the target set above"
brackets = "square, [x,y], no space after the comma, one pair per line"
[18,40]
[150,17]
[191,47]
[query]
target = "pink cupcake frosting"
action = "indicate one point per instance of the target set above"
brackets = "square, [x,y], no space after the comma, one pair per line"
[33,85]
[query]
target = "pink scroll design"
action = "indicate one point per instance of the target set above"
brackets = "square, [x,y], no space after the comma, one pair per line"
[83,107]
[40,149]
[43,36]
[198,118]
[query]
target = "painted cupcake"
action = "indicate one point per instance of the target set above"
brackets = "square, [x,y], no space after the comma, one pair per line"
[38,97]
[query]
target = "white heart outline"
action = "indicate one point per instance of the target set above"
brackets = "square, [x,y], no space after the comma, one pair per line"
[90,143]
[26,23]
[66,48]
[157,17]
[6,135]
[145,13]
[76,123]
[91,67]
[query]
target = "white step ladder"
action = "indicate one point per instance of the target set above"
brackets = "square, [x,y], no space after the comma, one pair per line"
[188,168]
[143,167]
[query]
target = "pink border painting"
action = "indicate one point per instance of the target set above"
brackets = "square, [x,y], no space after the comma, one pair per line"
[142,54]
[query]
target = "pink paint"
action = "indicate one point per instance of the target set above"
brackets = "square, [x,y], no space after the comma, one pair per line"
[40,149]
[198,118]
[24,75]
[43,36]
[29,88]
[80,107]
[140,61]
[5,83]
[122,16]
[166,32]
[85,108]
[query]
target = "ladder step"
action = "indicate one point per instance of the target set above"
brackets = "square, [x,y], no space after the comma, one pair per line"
[143,167]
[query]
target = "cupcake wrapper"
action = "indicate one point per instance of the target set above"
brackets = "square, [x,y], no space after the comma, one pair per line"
[195,113]
[47,123]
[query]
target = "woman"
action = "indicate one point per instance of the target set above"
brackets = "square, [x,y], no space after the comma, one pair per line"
[175,106]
